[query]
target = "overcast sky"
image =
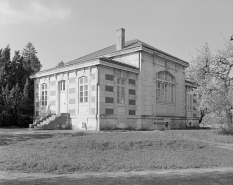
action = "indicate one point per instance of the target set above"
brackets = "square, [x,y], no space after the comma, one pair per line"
[68,29]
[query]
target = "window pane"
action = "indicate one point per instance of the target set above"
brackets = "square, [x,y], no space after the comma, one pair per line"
[81,99]
[42,86]
[118,81]
[165,92]
[45,86]
[81,94]
[123,82]
[86,87]
[85,99]
[45,93]
[64,85]
[158,91]
[169,93]
[42,93]
[81,88]
[85,79]
[81,80]
[85,93]
[160,75]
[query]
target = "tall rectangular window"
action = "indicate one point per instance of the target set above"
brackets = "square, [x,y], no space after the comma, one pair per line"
[120,90]
[83,89]
[189,98]
[158,91]
[44,94]
[173,93]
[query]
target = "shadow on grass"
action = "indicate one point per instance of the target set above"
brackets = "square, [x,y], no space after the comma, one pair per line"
[8,139]
[193,128]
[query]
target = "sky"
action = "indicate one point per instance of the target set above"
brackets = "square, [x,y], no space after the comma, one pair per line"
[63,30]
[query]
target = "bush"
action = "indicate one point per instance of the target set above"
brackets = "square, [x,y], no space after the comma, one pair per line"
[129,128]
[227,130]
[214,120]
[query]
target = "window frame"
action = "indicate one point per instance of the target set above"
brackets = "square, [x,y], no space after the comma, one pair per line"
[83,89]
[165,88]
[44,94]
[121,84]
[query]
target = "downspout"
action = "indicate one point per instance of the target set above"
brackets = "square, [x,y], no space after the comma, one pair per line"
[97,101]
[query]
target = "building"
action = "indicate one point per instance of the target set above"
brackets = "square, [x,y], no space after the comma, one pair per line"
[127,85]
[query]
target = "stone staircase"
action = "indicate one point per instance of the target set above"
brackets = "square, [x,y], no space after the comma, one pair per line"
[53,122]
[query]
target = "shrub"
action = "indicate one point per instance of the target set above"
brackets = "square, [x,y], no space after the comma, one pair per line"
[129,128]
[226,130]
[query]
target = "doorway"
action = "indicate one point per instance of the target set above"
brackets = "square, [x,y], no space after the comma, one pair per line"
[63,102]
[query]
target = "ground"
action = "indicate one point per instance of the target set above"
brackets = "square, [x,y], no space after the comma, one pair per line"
[62,152]
[218,176]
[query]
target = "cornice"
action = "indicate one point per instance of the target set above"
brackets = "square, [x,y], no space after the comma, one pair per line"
[143,48]
[119,67]
[83,64]
[53,71]
[181,62]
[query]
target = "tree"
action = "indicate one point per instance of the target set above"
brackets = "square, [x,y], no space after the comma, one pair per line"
[17,89]
[31,61]
[212,73]
[5,55]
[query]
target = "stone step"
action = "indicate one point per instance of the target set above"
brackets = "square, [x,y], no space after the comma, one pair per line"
[53,122]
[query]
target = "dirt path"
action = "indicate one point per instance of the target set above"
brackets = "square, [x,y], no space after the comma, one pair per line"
[12,175]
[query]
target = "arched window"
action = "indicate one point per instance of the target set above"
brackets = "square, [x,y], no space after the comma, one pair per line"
[44,94]
[165,87]
[83,89]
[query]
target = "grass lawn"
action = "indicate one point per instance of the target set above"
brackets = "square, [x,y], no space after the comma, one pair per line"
[116,151]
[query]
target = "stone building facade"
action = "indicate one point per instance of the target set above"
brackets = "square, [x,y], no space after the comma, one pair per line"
[128,85]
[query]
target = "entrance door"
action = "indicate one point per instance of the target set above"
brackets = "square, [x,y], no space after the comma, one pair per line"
[63,107]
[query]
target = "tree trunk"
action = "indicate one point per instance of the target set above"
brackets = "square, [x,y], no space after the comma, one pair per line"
[201,117]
